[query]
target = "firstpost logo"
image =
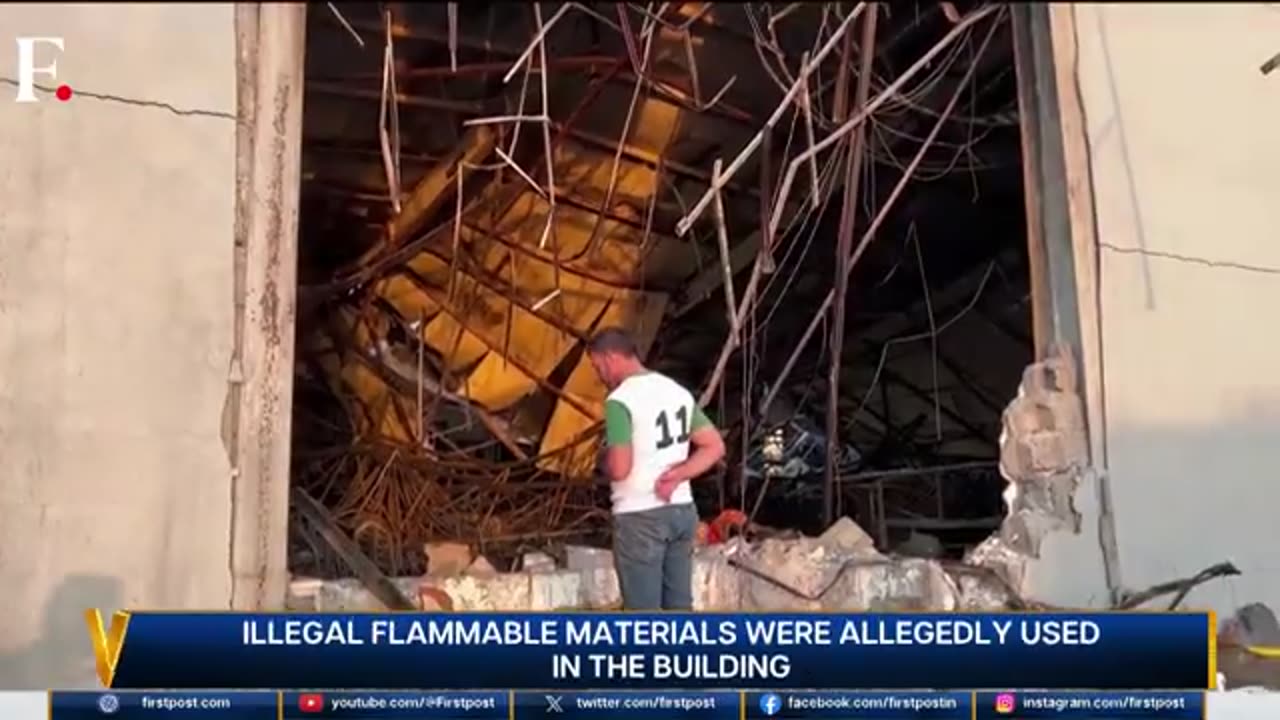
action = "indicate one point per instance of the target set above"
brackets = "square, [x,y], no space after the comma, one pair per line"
[28,70]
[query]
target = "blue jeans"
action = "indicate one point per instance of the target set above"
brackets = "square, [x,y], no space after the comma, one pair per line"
[653,554]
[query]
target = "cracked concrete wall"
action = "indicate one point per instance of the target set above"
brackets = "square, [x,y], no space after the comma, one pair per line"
[115,325]
[1183,151]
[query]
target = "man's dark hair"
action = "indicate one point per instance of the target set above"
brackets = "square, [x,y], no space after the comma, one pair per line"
[613,340]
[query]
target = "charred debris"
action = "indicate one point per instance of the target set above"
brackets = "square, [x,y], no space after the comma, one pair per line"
[813,213]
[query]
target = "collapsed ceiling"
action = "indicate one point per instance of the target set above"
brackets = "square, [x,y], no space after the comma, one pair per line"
[485,184]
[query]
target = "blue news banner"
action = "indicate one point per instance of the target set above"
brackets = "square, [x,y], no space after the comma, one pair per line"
[626,705]
[705,651]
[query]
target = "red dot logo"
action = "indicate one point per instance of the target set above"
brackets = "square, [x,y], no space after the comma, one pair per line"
[63,92]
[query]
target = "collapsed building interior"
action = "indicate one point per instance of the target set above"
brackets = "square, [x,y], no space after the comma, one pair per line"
[811,214]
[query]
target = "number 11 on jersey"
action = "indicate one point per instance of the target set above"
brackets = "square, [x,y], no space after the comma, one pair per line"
[663,424]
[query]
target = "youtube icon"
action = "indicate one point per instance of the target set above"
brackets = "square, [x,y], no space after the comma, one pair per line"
[311,703]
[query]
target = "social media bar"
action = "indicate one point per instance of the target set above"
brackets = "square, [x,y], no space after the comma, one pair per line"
[823,705]
[627,705]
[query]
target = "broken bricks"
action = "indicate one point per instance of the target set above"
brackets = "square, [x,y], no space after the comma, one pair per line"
[446,559]
[481,568]
[537,562]
[847,536]
[599,581]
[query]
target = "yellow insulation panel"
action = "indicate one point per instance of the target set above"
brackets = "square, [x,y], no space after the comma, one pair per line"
[407,298]
[440,331]
[378,400]
[614,262]
[535,347]
[460,348]
[655,126]
[507,348]
[532,349]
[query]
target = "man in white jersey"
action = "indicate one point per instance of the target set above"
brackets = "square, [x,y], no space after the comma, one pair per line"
[657,439]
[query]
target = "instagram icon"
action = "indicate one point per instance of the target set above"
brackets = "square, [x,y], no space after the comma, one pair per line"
[1005,703]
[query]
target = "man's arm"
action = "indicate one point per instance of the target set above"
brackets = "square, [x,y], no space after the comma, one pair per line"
[617,441]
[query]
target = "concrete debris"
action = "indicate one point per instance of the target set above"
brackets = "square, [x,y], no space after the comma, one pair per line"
[839,571]
[799,570]
[717,585]
[904,585]
[599,581]
[538,562]
[345,595]
[1253,625]
[600,587]
[505,591]
[812,575]
[305,588]
[995,554]
[1249,648]
[446,559]
[555,590]
[481,568]
[847,536]
[583,557]
[997,559]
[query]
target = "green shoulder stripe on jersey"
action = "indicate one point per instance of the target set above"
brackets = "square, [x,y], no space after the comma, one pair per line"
[617,424]
[700,420]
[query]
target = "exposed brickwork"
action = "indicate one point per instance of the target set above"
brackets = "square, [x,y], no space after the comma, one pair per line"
[1044,429]
[1043,449]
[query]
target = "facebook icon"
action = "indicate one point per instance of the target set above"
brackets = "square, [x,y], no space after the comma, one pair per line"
[770,704]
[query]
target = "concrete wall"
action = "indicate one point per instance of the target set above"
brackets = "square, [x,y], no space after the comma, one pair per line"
[116,313]
[1184,150]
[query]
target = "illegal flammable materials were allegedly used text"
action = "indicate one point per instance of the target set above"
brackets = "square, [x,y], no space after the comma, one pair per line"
[761,631]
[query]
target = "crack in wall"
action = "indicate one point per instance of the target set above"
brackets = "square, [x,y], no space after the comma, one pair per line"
[136,102]
[1192,259]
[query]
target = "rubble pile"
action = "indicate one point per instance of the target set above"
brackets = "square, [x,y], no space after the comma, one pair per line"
[840,570]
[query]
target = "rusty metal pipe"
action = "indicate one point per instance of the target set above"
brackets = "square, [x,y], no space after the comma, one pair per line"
[485,68]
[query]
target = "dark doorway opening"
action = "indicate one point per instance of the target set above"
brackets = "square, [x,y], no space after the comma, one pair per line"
[439,357]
